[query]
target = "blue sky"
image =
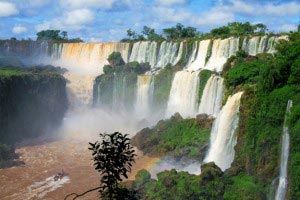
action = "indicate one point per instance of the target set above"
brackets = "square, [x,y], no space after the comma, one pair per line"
[108,20]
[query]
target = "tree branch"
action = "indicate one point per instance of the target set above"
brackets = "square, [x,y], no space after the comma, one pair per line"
[80,195]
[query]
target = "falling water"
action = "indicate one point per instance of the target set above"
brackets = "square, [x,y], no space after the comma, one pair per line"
[223,136]
[221,51]
[199,63]
[143,98]
[79,90]
[252,47]
[90,57]
[211,100]
[144,52]
[183,94]
[283,179]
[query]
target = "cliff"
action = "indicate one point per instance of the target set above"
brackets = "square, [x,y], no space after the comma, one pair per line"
[30,103]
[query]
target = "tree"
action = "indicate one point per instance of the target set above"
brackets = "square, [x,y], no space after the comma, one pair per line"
[131,34]
[64,35]
[115,59]
[49,35]
[261,28]
[113,158]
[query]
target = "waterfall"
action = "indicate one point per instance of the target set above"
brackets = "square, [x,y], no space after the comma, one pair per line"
[143,98]
[199,62]
[285,147]
[79,90]
[169,52]
[221,51]
[183,94]
[144,52]
[90,57]
[223,137]
[262,44]
[193,55]
[212,96]
[252,46]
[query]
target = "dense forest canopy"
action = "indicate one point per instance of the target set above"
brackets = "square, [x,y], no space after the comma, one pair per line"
[179,31]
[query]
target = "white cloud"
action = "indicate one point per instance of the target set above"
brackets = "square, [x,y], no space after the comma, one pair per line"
[95,39]
[73,20]
[213,18]
[73,4]
[18,29]
[287,27]
[7,9]
[254,9]
[78,17]
[172,15]
[171,2]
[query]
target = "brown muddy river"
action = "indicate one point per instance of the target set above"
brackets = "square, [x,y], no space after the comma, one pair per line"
[34,180]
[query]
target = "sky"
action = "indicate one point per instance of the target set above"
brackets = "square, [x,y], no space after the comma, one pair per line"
[108,20]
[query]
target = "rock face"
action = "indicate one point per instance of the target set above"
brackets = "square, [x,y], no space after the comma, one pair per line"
[30,105]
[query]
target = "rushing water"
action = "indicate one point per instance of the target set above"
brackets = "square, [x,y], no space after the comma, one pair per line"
[223,137]
[285,148]
[143,98]
[211,100]
[183,94]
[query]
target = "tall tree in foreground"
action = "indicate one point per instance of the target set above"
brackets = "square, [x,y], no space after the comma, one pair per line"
[113,158]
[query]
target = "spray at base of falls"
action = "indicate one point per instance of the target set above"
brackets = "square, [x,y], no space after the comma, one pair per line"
[223,134]
[183,94]
[211,100]
[285,148]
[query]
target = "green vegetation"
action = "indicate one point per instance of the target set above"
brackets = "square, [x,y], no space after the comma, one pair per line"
[269,82]
[182,185]
[179,32]
[56,35]
[176,137]
[118,82]
[204,76]
[35,91]
[162,86]
[238,29]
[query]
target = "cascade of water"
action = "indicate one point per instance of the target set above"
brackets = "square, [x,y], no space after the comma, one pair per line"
[212,96]
[176,59]
[119,86]
[144,52]
[143,95]
[193,55]
[183,94]
[199,62]
[223,137]
[93,56]
[262,44]
[285,148]
[168,53]
[221,51]
[252,46]
[79,90]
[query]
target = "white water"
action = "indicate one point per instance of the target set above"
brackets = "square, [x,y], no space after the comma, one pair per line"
[143,97]
[183,94]
[285,148]
[199,62]
[221,51]
[40,189]
[223,137]
[144,52]
[88,58]
[211,100]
